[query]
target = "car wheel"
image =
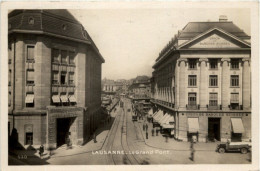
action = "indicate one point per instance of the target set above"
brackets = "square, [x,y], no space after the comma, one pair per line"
[221,150]
[243,150]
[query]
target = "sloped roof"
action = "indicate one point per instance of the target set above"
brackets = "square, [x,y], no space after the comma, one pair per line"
[193,29]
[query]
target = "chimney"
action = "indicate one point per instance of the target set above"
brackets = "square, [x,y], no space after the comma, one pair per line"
[223,18]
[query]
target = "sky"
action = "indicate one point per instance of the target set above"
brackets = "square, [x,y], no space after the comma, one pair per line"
[131,39]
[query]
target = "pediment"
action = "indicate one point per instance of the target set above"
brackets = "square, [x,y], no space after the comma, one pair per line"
[215,39]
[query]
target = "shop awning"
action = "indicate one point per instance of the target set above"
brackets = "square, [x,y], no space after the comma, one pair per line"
[158,116]
[237,125]
[193,125]
[29,98]
[64,98]
[72,99]
[167,126]
[56,99]
[165,116]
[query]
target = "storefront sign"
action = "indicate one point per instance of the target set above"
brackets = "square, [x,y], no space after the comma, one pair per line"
[216,114]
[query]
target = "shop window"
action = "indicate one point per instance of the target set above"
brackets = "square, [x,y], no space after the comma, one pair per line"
[234,63]
[55,77]
[234,80]
[213,80]
[72,58]
[192,100]
[213,99]
[63,78]
[28,138]
[55,55]
[192,63]
[30,77]
[213,64]
[192,80]
[64,57]
[30,53]
[71,78]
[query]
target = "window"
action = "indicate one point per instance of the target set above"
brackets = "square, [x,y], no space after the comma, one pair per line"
[213,80]
[192,63]
[63,78]
[29,100]
[192,80]
[213,64]
[234,101]
[71,78]
[213,99]
[28,138]
[234,63]
[30,77]
[30,53]
[234,81]
[192,99]
[55,55]
[64,57]
[71,57]
[55,77]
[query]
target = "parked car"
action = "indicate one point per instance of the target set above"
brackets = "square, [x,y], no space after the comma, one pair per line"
[243,147]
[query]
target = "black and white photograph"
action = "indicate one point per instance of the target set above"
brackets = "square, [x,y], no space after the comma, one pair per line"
[130,83]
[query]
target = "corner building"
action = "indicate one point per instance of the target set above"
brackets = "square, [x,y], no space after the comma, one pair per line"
[54,79]
[203,79]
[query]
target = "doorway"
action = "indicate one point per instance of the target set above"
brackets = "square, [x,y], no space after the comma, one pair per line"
[214,129]
[63,127]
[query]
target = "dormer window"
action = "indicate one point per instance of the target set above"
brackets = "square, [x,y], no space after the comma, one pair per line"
[31,21]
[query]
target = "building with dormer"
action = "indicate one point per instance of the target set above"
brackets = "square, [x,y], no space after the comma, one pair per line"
[54,79]
[202,78]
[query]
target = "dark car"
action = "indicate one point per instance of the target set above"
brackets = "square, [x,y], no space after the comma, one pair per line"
[243,147]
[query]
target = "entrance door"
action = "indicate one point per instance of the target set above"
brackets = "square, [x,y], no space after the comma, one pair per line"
[214,129]
[63,126]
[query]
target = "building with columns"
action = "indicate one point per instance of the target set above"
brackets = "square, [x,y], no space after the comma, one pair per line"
[54,79]
[202,78]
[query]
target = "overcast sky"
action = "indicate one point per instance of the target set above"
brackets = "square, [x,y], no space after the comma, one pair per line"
[131,39]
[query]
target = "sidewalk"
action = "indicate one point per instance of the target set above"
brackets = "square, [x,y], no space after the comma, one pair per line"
[160,141]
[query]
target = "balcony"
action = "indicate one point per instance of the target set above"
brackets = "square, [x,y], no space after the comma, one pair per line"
[30,88]
[55,67]
[55,89]
[218,107]
[63,68]
[192,107]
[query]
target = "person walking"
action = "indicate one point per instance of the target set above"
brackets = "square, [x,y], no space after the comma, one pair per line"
[152,132]
[157,132]
[143,126]
[41,151]
[68,142]
[94,137]
[146,135]
[146,127]
[192,151]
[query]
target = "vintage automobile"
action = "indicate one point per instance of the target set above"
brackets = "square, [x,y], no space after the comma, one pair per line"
[243,147]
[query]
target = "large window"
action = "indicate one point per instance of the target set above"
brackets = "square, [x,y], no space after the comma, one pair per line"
[192,63]
[213,99]
[55,55]
[192,80]
[213,80]
[63,78]
[71,58]
[234,80]
[234,63]
[30,77]
[213,64]
[30,53]
[71,78]
[55,77]
[64,57]
[192,100]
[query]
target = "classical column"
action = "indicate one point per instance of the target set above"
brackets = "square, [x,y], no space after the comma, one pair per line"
[246,83]
[225,83]
[182,89]
[203,83]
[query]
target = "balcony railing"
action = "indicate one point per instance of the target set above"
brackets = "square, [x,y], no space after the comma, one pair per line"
[192,107]
[217,107]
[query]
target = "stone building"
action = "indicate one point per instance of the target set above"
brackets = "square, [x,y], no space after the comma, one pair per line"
[54,78]
[203,79]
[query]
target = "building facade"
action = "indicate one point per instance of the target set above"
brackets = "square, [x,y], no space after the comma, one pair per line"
[203,79]
[54,79]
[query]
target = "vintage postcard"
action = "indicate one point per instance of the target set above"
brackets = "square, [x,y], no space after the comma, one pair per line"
[158,85]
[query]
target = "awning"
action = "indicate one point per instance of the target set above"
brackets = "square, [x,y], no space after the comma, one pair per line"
[164,118]
[72,99]
[155,114]
[158,116]
[56,99]
[193,125]
[29,98]
[64,98]
[167,126]
[237,125]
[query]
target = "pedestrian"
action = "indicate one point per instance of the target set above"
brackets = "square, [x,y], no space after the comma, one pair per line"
[157,132]
[152,132]
[41,151]
[146,135]
[94,137]
[146,127]
[192,150]
[143,126]
[68,142]
[166,138]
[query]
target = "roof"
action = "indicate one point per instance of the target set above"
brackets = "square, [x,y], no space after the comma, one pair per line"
[58,23]
[193,29]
